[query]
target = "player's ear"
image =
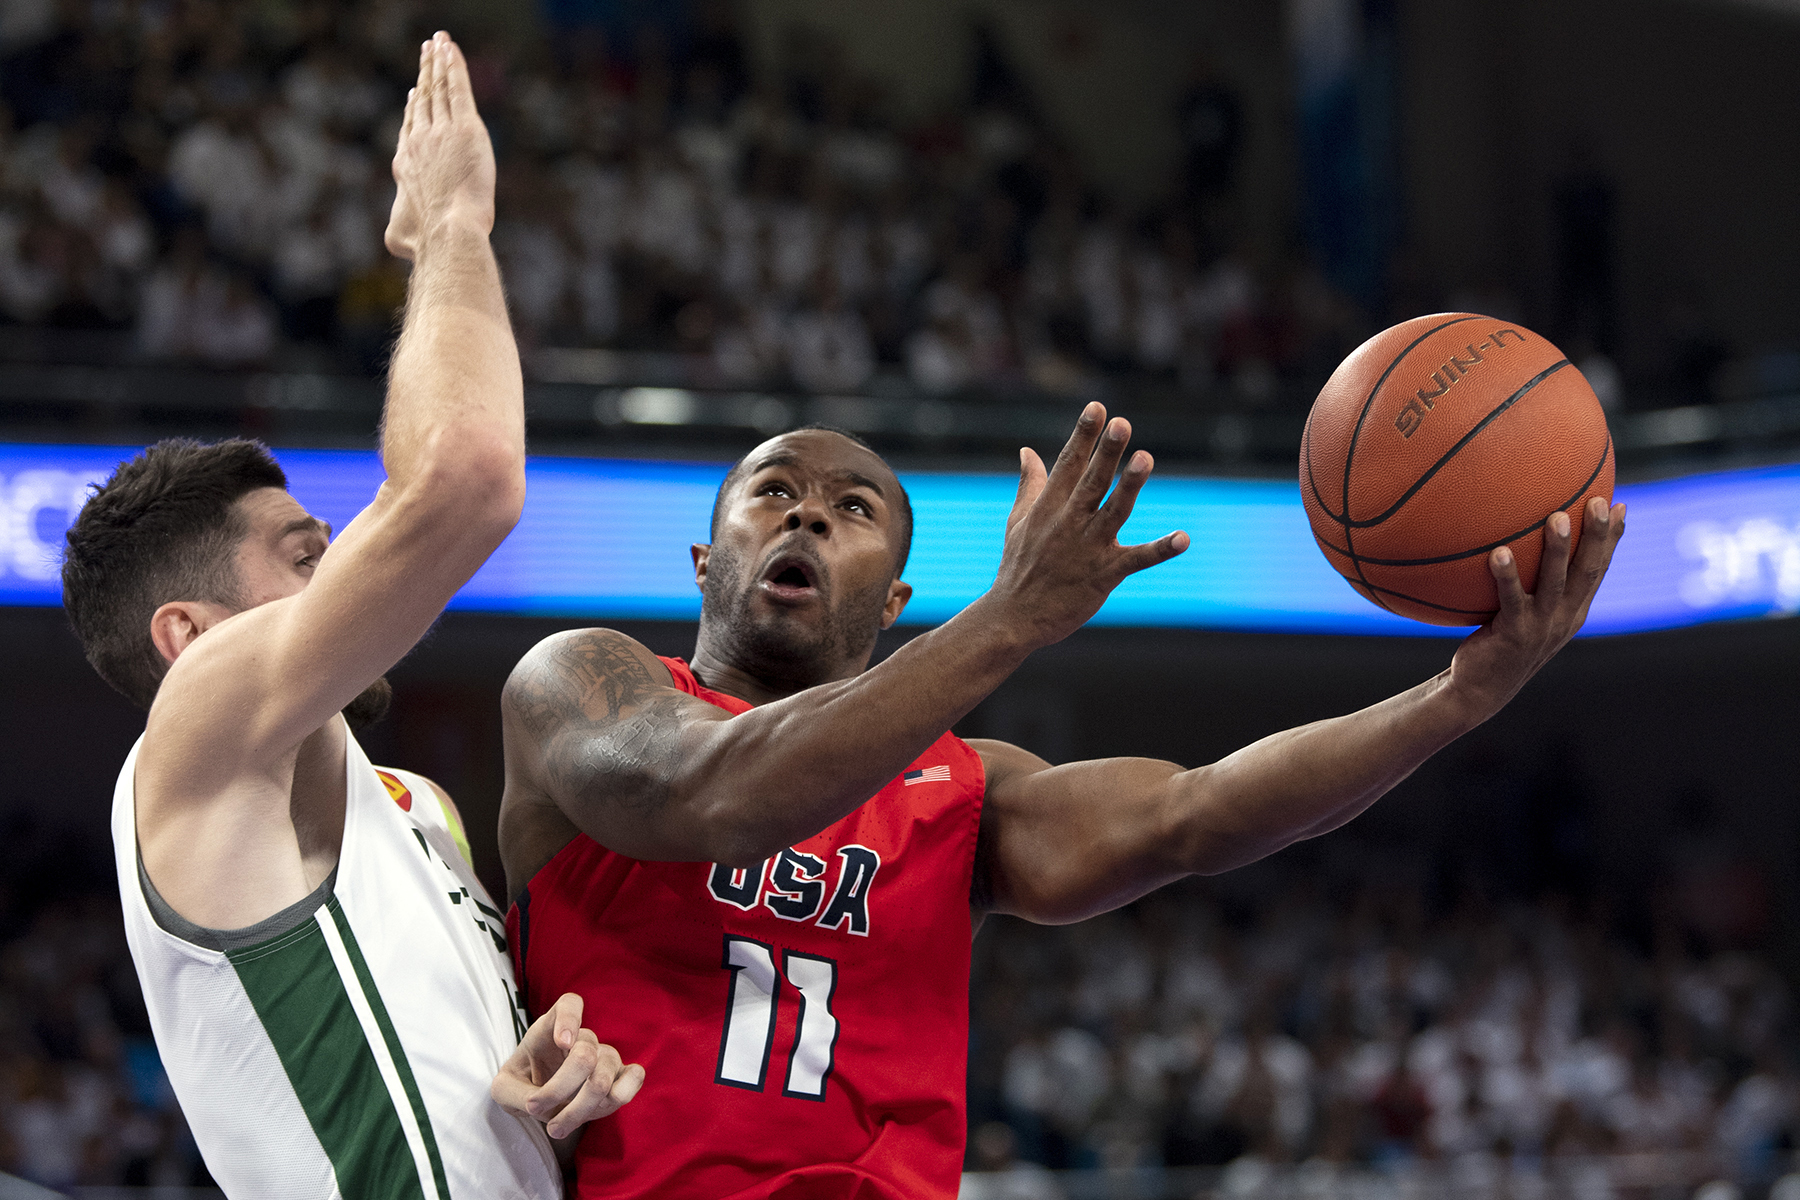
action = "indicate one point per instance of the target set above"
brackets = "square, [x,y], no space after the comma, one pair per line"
[175,625]
[899,592]
[700,552]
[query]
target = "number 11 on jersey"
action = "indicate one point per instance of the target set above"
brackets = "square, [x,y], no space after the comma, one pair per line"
[751,1008]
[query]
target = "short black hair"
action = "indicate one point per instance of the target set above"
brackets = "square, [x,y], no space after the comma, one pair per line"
[902,506]
[163,527]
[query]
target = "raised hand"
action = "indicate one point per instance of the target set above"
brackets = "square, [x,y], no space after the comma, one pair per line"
[1063,557]
[564,1076]
[444,161]
[1497,659]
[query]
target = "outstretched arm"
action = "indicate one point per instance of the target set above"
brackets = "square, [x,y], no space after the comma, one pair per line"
[219,805]
[1059,844]
[452,444]
[595,728]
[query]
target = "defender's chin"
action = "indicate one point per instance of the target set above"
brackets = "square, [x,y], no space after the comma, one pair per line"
[370,706]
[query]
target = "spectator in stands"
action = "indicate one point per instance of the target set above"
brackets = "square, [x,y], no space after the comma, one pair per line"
[83,1100]
[1355,1033]
[828,348]
[658,173]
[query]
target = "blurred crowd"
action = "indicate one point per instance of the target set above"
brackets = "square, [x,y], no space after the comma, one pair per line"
[83,1096]
[1298,1024]
[1280,1017]
[213,174]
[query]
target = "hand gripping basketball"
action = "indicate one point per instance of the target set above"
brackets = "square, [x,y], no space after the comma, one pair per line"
[444,161]
[1063,557]
[564,1076]
[1495,661]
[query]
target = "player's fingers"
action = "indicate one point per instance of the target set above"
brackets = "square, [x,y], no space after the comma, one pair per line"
[513,1088]
[1075,452]
[1031,485]
[1590,558]
[1505,570]
[593,1099]
[1553,568]
[427,72]
[568,1080]
[1594,555]
[536,1049]
[406,117]
[459,93]
[1145,555]
[629,1083]
[1103,464]
[567,1014]
[434,81]
[1117,509]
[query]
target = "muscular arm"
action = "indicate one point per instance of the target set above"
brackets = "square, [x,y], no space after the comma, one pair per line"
[453,448]
[1062,843]
[1059,844]
[596,731]
[220,795]
[595,727]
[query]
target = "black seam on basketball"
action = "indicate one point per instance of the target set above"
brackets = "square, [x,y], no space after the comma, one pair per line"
[1350,453]
[1605,453]
[1451,453]
[1355,433]
[1306,457]
[1469,612]
[1357,563]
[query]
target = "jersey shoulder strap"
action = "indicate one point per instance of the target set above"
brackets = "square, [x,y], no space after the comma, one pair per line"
[685,681]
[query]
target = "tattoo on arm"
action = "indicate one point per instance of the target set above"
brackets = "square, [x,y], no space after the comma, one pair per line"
[607,732]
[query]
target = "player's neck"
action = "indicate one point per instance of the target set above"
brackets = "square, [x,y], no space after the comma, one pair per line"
[720,673]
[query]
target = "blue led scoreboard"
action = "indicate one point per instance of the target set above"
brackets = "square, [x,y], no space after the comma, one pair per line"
[608,539]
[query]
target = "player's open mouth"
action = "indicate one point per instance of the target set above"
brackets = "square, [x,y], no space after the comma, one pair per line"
[791,578]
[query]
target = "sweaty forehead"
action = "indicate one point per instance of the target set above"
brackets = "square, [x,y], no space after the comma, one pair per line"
[823,452]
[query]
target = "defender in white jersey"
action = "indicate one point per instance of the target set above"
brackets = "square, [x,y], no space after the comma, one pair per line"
[327,981]
[370,1014]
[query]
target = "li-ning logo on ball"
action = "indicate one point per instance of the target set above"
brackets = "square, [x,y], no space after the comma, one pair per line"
[1413,414]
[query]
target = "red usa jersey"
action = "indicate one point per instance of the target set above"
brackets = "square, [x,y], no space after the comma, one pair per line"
[803,1024]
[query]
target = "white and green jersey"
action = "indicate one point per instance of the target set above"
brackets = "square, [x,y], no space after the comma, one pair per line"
[344,1047]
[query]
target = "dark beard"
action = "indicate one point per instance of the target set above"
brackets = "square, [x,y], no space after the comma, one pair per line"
[780,654]
[370,706]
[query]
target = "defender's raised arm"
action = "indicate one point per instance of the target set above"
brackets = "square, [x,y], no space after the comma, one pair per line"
[274,882]
[453,447]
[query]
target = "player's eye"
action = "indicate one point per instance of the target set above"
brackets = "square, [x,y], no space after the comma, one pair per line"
[773,489]
[310,560]
[860,505]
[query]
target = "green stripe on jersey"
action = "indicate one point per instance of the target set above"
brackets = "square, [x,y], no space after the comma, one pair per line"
[300,997]
[413,1098]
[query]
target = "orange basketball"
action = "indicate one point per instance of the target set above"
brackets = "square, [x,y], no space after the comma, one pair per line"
[1438,440]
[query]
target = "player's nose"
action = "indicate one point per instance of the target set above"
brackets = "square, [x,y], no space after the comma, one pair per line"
[810,512]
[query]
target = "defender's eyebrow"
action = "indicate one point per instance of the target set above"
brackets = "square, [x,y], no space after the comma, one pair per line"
[307,524]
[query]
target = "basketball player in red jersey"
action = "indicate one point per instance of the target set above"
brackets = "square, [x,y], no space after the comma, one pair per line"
[765,869]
